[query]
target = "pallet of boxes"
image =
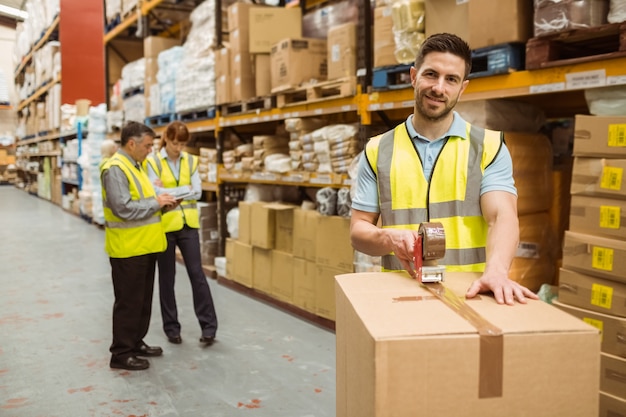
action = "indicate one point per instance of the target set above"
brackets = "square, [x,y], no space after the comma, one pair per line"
[592,282]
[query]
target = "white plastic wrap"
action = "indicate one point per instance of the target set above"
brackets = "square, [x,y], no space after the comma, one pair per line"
[133,74]
[327,201]
[279,163]
[617,11]
[607,101]
[232,222]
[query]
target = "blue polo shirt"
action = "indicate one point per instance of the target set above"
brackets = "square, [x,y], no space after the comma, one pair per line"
[498,176]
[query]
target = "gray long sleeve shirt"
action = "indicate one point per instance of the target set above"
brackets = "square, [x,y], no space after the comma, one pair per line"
[115,183]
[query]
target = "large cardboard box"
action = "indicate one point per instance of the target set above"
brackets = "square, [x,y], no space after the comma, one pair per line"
[265,228]
[262,270]
[595,255]
[592,293]
[600,177]
[305,233]
[598,216]
[384,42]
[238,15]
[245,218]
[282,276]
[402,352]
[481,22]
[600,136]
[222,76]
[296,61]
[304,284]
[612,328]
[268,25]
[612,406]
[325,291]
[342,51]
[243,264]
[284,227]
[154,45]
[613,379]
[262,74]
[242,76]
[333,247]
[230,258]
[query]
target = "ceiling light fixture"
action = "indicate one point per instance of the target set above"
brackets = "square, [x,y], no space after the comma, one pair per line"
[13,12]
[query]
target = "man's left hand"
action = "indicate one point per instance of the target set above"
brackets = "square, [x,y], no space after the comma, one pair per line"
[505,290]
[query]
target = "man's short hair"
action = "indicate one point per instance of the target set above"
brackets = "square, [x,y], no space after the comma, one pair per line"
[135,130]
[445,42]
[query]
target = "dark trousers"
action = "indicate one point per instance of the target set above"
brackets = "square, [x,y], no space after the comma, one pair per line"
[133,285]
[188,242]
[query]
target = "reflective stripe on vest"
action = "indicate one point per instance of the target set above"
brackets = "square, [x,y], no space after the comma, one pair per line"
[452,196]
[187,210]
[125,239]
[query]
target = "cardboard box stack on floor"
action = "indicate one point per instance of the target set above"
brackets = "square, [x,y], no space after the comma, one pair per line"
[592,284]
[402,352]
[290,254]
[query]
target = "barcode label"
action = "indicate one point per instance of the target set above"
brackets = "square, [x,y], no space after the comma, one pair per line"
[527,250]
[602,258]
[610,217]
[611,178]
[601,296]
[617,135]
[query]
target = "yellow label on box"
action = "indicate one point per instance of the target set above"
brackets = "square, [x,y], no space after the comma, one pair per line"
[601,296]
[598,324]
[617,135]
[609,217]
[602,258]
[611,178]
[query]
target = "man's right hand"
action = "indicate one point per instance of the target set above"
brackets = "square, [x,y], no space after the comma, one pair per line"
[167,201]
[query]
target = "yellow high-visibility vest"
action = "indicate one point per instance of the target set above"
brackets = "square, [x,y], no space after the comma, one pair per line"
[187,211]
[452,196]
[128,238]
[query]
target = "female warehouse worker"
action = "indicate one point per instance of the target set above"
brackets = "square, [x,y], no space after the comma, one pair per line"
[175,171]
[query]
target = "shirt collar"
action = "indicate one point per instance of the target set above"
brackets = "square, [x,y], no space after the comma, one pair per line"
[127,156]
[164,155]
[457,128]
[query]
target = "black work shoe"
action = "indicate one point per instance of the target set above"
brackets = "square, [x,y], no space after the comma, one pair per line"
[131,363]
[207,340]
[145,350]
[177,340]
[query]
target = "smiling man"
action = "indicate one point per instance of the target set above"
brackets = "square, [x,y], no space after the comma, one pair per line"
[436,167]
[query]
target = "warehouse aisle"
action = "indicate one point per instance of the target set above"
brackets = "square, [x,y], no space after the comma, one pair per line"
[55,329]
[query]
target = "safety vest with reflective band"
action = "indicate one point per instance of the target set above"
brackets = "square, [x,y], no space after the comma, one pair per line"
[452,196]
[128,238]
[187,211]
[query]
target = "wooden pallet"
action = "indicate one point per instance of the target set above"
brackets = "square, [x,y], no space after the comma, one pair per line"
[342,87]
[390,78]
[497,59]
[576,46]
[161,119]
[197,114]
[248,106]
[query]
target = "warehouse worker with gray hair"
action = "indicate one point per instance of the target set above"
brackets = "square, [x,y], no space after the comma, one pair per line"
[436,167]
[134,237]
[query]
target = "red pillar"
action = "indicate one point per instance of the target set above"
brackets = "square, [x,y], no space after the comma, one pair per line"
[81,33]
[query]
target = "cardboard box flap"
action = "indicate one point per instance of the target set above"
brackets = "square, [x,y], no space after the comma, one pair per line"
[410,311]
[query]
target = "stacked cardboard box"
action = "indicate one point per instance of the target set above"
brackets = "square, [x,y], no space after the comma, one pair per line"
[591,283]
[253,31]
[402,352]
[209,234]
[290,254]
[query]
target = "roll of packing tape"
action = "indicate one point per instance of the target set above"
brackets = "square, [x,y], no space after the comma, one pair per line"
[433,240]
